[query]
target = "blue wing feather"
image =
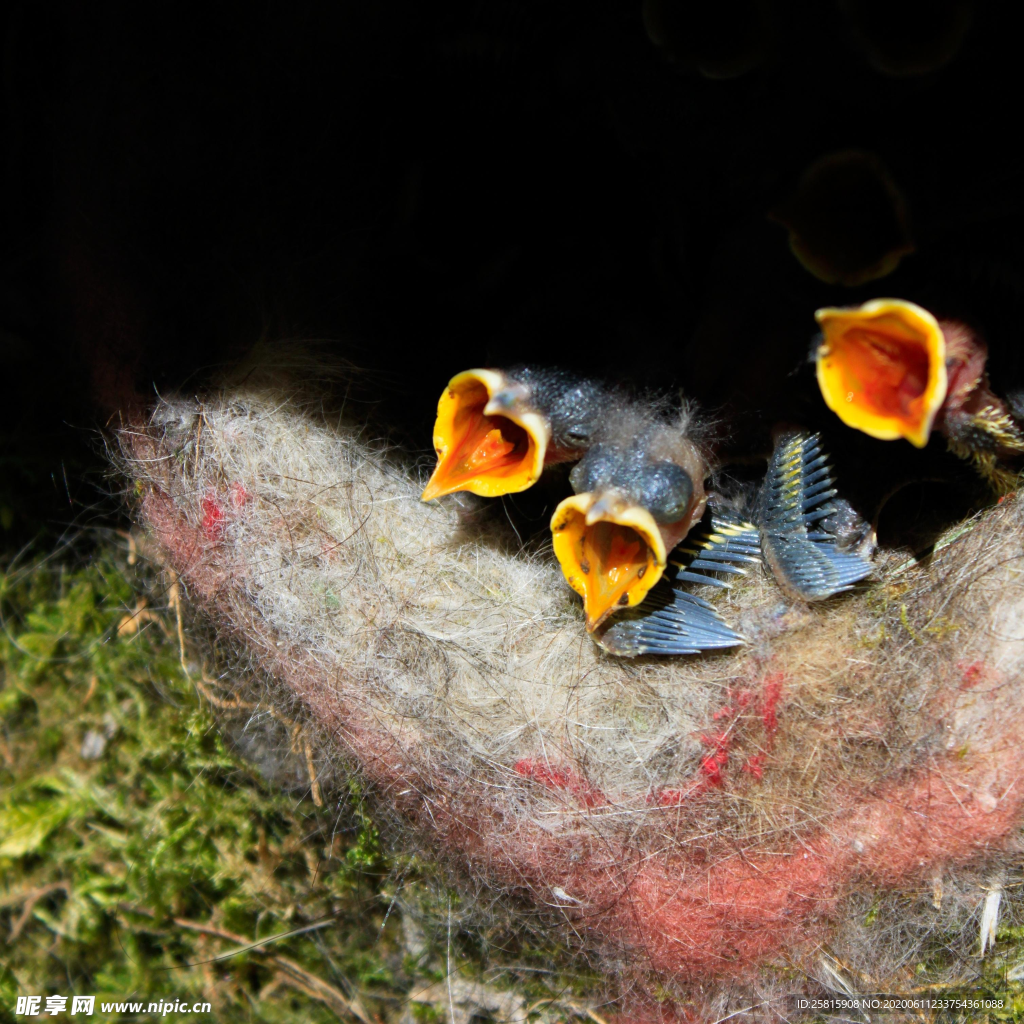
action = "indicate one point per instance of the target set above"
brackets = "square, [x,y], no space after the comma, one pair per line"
[796,493]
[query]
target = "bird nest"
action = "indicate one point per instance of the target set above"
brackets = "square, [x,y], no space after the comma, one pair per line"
[700,816]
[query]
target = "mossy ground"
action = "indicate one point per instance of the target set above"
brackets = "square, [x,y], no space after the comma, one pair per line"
[133,842]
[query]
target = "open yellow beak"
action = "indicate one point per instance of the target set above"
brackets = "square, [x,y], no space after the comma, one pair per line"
[882,368]
[611,551]
[485,443]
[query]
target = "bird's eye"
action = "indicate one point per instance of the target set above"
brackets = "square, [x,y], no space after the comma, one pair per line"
[595,470]
[575,415]
[666,492]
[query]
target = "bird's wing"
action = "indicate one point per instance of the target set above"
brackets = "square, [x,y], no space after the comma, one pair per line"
[805,561]
[674,621]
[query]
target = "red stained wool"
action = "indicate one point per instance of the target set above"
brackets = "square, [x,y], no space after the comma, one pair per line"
[213,518]
[560,778]
[240,497]
[771,692]
[711,765]
[972,673]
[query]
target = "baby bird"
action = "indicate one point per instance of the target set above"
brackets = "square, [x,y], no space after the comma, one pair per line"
[639,490]
[812,542]
[891,369]
[497,429]
[639,487]
[977,424]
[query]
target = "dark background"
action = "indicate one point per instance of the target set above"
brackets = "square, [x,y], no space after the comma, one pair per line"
[434,186]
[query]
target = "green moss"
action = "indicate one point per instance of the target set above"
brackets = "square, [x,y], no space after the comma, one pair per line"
[123,814]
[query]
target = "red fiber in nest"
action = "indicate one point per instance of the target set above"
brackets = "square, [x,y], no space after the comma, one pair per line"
[239,495]
[712,764]
[771,692]
[560,778]
[213,518]
[972,673]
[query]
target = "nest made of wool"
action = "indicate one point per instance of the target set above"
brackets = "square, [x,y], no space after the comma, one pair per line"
[700,816]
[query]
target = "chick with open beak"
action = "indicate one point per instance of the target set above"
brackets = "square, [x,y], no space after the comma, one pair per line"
[639,490]
[882,368]
[497,429]
[891,369]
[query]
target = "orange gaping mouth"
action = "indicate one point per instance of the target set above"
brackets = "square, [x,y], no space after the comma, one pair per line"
[611,552]
[882,368]
[480,449]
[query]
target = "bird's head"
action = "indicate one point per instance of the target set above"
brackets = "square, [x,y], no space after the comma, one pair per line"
[882,368]
[489,437]
[612,538]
